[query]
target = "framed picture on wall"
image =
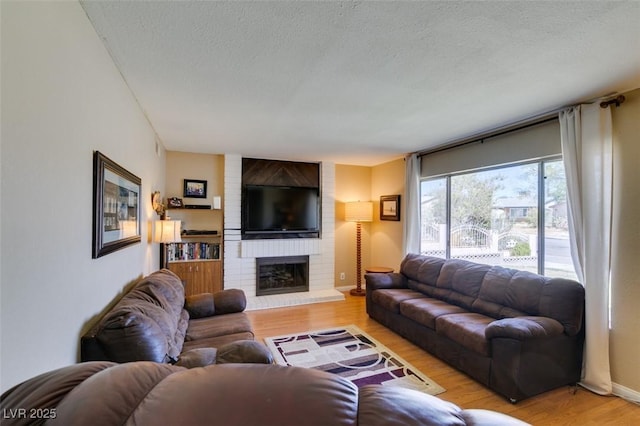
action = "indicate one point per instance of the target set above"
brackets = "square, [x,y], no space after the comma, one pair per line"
[195,188]
[116,206]
[390,207]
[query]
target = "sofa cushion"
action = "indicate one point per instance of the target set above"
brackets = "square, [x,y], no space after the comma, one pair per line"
[165,288]
[165,320]
[215,326]
[199,357]
[427,290]
[410,265]
[422,268]
[43,393]
[200,305]
[183,323]
[217,342]
[425,310]
[524,291]
[390,299]
[391,405]
[113,395]
[244,351]
[492,299]
[459,281]
[377,281]
[229,301]
[524,328]
[137,331]
[558,301]
[466,329]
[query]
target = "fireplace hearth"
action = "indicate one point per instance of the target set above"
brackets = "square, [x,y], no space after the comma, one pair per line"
[285,274]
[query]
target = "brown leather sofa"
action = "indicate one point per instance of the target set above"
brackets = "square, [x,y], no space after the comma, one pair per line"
[146,393]
[155,322]
[516,332]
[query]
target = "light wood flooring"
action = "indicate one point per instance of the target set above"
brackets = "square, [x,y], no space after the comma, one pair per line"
[563,406]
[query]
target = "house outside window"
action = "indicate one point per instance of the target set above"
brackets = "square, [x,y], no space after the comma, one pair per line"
[514,216]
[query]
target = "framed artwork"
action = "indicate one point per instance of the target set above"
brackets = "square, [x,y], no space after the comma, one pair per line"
[195,188]
[390,207]
[116,206]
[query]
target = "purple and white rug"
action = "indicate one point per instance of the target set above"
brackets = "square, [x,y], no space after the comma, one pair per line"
[351,353]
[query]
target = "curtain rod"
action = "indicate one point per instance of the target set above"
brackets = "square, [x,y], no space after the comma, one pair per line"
[523,124]
[617,101]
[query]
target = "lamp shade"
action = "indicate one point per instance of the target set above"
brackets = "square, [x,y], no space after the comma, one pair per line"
[358,211]
[166,231]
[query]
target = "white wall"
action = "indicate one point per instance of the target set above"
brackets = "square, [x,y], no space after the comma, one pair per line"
[62,98]
[625,275]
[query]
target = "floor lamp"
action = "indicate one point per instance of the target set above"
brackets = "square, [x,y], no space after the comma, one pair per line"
[358,212]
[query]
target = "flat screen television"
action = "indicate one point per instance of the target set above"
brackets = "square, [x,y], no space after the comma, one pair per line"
[280,211]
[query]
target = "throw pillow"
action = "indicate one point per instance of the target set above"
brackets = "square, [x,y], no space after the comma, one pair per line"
[200,305]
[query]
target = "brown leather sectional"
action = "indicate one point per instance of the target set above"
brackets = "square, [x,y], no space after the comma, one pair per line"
[516,332]
[147,393]
[155,322]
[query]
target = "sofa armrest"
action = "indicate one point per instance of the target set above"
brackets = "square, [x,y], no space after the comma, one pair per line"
[524,328]
[382,281]
[230,301]
[200,305]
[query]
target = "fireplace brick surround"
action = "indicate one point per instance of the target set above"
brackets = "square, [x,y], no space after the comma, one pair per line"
[240,255]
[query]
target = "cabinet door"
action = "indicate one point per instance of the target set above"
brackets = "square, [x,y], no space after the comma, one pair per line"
[216,275]
[184,271]
[199,276]
[202,279]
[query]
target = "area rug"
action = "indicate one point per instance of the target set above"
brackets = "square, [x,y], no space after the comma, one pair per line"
[351,353]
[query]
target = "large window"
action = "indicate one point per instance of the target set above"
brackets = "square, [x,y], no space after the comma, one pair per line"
[514,216]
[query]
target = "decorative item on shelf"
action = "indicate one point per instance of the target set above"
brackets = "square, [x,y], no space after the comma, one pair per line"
[390,207]
[358,212]
[195,188]
[156,204]
[217,202]
[175,202]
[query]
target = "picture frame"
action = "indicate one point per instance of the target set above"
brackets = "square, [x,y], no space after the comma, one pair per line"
[116,207]
[390,207]
[194,188]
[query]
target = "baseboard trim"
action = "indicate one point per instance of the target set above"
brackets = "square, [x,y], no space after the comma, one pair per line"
[626,393]
[345,287]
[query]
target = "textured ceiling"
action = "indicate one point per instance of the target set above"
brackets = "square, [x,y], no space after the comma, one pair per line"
[360,82]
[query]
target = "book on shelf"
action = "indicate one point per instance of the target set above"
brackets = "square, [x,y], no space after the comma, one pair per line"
[192,251]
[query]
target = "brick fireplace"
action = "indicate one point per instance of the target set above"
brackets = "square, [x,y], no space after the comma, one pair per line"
[240,265]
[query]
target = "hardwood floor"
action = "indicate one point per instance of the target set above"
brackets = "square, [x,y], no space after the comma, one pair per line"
[563,406]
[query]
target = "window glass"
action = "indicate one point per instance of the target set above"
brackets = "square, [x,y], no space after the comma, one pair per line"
[557,254]
[493,216]
[433,226]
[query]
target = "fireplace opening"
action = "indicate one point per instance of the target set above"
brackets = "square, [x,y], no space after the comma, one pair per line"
[278,275]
